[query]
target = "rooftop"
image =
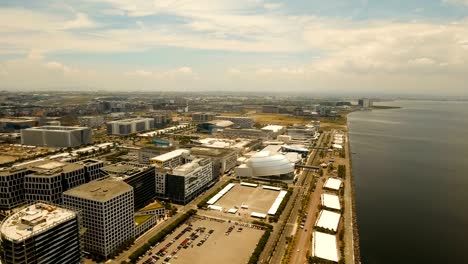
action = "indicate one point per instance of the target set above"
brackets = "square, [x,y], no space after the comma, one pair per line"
[171,155]
[152,206]
[130,120]
[331,201]
[100,190]
[57,128]
[187,168]
[124,169]
[333,184]
[33,220]
[274,128]
[324,246]
[209,151]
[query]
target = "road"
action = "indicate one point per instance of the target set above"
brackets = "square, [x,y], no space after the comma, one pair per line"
[303,236]
[140,241]
[303,239]
[277,243]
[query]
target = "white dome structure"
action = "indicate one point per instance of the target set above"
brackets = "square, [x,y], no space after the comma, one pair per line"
[265,164]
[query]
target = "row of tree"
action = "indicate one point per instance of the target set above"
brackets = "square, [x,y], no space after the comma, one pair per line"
[160,236]
[262,243]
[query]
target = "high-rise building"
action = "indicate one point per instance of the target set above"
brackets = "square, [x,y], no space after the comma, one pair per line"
[130,126]
[49,179]
[184,183]
[42,234]
[140,177]
[106,210]
[42,180]
[12,187]
[92,169]
[365,103]
[56,136]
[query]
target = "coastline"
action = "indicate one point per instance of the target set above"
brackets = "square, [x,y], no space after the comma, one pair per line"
[356,248]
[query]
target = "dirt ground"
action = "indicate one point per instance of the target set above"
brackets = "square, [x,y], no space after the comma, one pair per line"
[6,159]
[236,247]
[257,199]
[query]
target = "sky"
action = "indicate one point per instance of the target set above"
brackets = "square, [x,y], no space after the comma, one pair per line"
[289,46]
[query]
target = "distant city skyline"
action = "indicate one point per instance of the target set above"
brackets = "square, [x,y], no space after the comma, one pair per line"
[414,47]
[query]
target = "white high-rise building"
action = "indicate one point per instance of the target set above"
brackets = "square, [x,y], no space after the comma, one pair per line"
[41,233]
[106,207]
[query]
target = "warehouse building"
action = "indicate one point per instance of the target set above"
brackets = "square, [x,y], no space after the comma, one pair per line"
[91,121]
[129,126]
[56,136]
[238,121]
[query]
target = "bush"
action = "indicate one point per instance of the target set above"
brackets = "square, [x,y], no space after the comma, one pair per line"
[342,171]
[160,236]
[260,246]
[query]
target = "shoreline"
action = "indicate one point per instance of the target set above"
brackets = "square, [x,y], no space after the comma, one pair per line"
[356,244]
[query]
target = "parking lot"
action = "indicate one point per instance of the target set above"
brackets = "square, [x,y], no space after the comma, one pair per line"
[205,240]
[257,199]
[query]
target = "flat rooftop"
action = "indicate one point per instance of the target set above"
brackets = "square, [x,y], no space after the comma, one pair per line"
[324,246]
[209,151]
[130,120]
[57,128]
[333,184]
[33,220]
[100,190]
[328,219]
[331,201]
[124,169]
[187,168]
[170,155]
[274,128]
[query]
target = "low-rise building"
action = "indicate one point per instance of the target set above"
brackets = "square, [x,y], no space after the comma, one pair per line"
[91,121]
[170,159]
[239,121]
[130,126]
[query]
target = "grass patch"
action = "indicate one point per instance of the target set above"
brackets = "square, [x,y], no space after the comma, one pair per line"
[140,219]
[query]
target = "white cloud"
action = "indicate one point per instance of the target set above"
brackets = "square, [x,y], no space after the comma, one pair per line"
[172,73]
[456,2]
[81,21]
[272,6]
[35,55]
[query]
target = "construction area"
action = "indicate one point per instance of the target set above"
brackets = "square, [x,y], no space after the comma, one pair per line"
[207,240]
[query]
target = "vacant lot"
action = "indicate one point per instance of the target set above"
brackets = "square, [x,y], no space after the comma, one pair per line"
[278,119]
[236,247]
[257,199]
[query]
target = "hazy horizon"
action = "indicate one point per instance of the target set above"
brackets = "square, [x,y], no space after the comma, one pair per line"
[357,47]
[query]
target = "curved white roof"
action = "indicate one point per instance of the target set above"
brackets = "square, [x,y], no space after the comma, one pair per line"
[265,164]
